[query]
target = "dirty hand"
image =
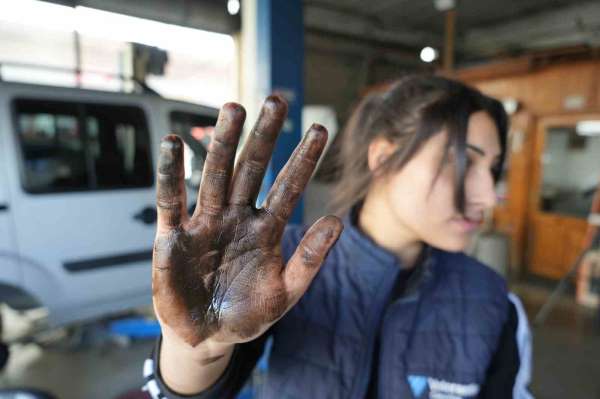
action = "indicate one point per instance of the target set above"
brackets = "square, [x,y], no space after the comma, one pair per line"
[219,274]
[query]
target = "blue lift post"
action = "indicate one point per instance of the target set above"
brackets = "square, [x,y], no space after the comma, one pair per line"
[280,69]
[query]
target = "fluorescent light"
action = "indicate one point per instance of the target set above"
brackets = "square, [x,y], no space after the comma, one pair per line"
[233,7]
[428,54]
[109,25]
[39,14]
[119,27]
[588,128]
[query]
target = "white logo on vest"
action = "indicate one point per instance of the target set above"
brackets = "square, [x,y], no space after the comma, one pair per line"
[440,389]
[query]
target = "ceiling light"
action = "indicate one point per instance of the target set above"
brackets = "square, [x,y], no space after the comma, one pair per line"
[511,105]
[444,5]
[428,54]
[233,7]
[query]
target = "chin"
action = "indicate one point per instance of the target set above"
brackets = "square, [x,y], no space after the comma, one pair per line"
[453,243]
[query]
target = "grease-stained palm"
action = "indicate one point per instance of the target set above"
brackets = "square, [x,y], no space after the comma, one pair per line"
[219,273]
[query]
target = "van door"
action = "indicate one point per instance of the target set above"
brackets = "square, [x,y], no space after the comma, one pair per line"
[85,208]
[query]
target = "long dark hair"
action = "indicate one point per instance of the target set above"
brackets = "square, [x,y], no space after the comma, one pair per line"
[409,112]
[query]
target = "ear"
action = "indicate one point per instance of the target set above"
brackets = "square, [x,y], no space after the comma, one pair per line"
[379,151]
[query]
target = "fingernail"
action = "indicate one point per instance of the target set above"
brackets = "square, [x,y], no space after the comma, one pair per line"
[170,143]
[276,104]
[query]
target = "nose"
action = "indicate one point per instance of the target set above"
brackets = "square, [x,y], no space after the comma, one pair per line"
[482,190]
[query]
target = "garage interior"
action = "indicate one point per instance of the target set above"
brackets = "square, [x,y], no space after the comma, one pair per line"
[540,58]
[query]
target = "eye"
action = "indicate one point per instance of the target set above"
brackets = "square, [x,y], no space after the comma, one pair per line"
[470,162]
[496,169]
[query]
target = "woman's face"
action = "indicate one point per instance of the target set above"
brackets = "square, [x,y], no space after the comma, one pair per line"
[424,205]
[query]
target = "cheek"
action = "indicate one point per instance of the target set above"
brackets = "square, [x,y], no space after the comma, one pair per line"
[446,234]
[416,203]
[430,198]
[424,209]
[406,197]
[440,200]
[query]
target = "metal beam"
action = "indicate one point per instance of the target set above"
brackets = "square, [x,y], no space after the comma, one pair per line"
[334,21]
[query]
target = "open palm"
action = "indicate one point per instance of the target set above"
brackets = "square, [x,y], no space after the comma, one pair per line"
[219,273]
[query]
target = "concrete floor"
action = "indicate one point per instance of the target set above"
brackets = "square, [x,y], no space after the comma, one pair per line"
[80,362]
[566,359]
[566,348]
[93,373]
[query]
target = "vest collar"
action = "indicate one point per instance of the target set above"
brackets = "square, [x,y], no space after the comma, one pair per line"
[376,265]
[362,245]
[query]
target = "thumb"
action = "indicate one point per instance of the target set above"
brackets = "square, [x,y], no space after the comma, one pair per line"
[308,257]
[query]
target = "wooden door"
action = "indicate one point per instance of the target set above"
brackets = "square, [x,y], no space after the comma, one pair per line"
[564,179]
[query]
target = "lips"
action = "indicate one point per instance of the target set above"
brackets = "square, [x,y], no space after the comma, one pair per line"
[477,220]
[468,224]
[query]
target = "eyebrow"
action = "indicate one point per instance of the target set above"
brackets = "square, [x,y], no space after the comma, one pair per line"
[479,150]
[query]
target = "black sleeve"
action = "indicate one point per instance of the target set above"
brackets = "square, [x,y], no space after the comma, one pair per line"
[243,360]
[501,374]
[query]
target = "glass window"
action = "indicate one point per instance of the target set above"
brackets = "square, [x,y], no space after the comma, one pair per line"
[69,146]
[196,131]
[570,171]
[119,146]
[52,147]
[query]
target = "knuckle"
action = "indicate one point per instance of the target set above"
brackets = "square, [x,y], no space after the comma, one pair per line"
[310,257]
[168,203]
[254,167]
[215,176]
[219,147]
[209,208]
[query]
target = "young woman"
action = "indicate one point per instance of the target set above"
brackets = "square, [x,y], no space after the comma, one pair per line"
[394,309]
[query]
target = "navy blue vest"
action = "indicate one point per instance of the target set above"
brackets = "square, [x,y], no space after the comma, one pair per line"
[436,340]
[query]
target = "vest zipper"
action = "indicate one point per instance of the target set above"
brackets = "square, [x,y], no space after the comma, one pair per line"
[362,381]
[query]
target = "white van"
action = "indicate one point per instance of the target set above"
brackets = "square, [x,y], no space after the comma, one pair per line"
[77,195]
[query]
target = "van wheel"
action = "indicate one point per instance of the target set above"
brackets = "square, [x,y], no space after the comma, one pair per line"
[4,352]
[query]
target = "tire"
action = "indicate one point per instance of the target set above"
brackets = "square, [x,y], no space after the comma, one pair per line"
[4,355]
[4,351]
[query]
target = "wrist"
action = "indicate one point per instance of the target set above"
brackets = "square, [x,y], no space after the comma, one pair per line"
[201,354]
[188,370]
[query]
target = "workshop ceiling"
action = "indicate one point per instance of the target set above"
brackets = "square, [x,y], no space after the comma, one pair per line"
[484,28]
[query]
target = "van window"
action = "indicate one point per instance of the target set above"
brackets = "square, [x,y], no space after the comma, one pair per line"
[73,146]
[196,131]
